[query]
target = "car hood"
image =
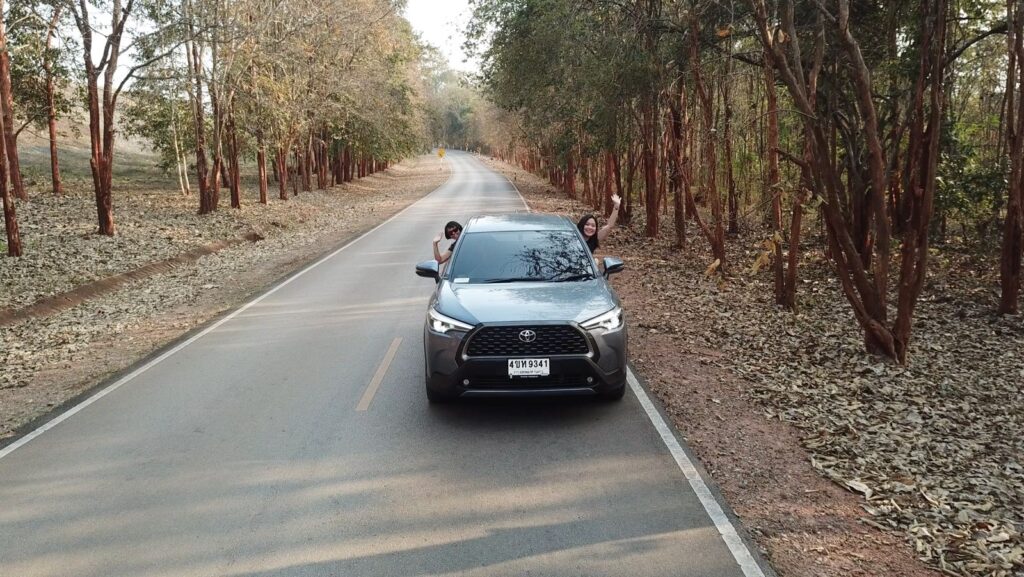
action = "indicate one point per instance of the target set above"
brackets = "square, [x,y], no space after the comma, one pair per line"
[528,301]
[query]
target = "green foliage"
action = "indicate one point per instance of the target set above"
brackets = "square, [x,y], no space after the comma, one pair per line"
[26,42]
[969,192]
[150,112]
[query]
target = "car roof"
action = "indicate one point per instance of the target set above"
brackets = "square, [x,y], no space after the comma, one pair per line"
[518,221]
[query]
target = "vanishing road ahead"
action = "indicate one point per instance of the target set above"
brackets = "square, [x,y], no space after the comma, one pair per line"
[293,437]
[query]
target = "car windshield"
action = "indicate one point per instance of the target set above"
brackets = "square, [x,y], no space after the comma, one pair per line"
[522,255]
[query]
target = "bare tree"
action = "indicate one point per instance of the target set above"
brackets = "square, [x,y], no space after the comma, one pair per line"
[863,269]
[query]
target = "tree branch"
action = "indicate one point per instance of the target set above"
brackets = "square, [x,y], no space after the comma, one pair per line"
[141,65]
[959,50]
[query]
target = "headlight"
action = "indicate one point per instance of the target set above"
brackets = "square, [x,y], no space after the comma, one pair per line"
[442,324]
[608,321]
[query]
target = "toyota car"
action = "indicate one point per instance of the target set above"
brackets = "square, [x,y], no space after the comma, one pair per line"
[522,309]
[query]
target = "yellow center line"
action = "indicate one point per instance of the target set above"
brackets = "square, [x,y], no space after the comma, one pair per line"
[371,389]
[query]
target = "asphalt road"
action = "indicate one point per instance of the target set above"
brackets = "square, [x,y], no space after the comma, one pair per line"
[294,438]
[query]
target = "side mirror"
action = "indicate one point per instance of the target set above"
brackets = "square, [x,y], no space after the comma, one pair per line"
[428,269]
[612,265]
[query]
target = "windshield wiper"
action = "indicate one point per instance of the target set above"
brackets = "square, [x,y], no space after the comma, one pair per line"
[575,277]
[515,279]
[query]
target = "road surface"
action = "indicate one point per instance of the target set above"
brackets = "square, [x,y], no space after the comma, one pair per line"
[294,438]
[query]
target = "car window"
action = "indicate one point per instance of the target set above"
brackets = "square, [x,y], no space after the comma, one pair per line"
[509,256]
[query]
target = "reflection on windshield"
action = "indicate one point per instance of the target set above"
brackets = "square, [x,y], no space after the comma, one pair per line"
[511,256]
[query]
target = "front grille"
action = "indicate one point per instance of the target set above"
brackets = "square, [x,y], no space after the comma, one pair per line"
[504,341]
[552,381]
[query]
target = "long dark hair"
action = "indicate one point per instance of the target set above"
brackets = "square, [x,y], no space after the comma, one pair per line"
[592,242]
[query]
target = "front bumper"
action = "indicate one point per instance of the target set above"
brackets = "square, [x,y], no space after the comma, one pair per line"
[450,372]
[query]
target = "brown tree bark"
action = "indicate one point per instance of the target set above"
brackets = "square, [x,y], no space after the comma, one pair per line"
[649,158]
[773,185]
[10,139]
[325,162]
[1013,227]
[732,198]
[297,181]
[282,172]
[679,182]
[569,177]
[717,238]
[261,166]
[307,164]
[867,290]
[101,109]
[914,250]
[10,214]
[627,198]
[51,106]
[194,58]
[234,168]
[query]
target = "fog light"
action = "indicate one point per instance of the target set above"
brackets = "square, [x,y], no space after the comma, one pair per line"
[590,380]
[465,382]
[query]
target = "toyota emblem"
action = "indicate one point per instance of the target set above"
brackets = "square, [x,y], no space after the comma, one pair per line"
[527,336]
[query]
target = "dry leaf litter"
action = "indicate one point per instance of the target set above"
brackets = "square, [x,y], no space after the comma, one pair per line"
[935,448]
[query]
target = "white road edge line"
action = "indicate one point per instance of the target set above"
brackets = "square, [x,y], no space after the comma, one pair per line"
[732,539]
[736,546]
[117,384]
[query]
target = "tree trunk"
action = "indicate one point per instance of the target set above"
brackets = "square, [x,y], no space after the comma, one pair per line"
[234,171]
[616,180]
[1013,227]
[773,187]
[261,166]
[193,54]
[179,164]
[282,172]
[10,138]
[569,183]
[10,216]
[914,263]
[649,156]
[51,106]
[307,164]
[325,162]
[627,198]
[676,165]
[297,181]
[732,198]
[717,239]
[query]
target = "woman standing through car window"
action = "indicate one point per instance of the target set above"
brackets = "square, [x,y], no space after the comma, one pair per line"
[452,230]
[588,226]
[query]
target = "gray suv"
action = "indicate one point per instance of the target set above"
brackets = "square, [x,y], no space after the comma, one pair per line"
[522,309]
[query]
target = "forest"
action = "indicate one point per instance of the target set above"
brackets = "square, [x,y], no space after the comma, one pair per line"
[893,128]
[872,142]
[297,91]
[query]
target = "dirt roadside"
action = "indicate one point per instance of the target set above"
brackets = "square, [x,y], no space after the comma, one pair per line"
[51,360]
[804,524]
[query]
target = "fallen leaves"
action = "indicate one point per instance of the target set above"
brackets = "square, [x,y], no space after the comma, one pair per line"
[935,448]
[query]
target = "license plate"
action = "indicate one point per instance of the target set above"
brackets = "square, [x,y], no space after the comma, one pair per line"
[529,367]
